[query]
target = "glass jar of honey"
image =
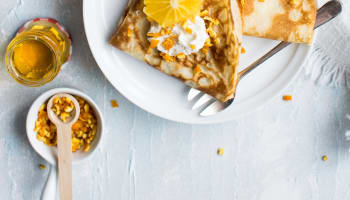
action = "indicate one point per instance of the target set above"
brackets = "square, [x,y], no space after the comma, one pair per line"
[35,56]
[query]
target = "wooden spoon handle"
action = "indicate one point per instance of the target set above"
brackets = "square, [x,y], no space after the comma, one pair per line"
[64,144]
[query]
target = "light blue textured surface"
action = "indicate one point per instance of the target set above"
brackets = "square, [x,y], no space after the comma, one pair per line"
[273,154]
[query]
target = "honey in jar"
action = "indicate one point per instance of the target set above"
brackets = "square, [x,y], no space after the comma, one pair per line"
[35,56]
[32,59]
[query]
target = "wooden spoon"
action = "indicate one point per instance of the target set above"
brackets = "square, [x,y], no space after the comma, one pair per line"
[64,145]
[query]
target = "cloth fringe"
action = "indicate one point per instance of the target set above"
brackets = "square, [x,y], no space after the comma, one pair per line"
[325,70]
[329,60]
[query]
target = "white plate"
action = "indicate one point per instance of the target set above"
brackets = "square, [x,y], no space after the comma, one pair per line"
[164,96]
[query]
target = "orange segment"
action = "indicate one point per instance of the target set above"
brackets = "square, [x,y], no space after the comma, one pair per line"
[170,12]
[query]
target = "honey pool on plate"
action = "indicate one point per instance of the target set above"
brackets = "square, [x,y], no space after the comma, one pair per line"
[35,56]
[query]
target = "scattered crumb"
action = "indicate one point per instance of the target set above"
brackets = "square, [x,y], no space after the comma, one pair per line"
[114,104]
[220,151]
[243,51]
[324,158]
[41,166]
[287,98]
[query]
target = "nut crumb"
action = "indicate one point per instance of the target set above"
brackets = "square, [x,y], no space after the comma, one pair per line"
[287,98]
[63,108]
[114,104]
[220,151]
[324,158]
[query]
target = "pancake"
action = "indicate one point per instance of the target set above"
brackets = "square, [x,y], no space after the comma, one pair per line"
[213,72]
[285,20]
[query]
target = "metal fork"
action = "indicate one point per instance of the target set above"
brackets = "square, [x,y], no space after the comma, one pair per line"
[326,13]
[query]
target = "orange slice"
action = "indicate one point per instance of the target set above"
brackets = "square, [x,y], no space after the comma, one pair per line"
[170,12]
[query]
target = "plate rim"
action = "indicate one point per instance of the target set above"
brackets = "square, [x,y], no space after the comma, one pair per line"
[307,49]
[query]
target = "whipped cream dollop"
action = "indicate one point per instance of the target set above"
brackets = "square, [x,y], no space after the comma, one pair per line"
[186,42]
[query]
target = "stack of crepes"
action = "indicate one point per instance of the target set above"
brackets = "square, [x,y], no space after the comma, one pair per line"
[200,41]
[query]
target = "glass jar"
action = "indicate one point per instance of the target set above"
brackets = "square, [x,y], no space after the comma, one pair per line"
[35,56]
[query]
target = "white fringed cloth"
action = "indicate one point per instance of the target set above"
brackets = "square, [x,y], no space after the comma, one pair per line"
[329,61]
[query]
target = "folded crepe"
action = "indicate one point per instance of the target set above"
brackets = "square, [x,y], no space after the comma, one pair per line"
[213,71]
[286,20]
